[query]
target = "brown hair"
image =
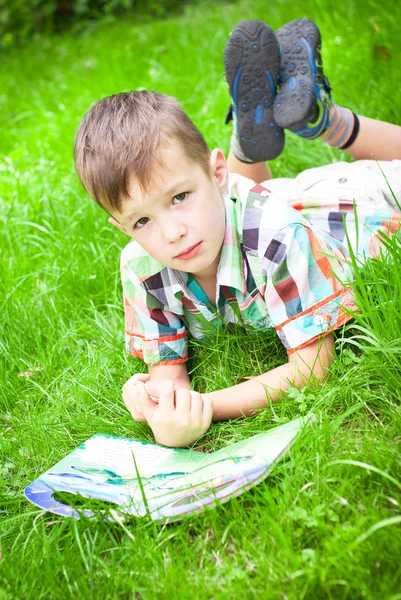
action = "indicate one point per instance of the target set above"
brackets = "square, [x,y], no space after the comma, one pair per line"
[121,136]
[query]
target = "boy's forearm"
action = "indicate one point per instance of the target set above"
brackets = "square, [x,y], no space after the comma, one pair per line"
[242,399]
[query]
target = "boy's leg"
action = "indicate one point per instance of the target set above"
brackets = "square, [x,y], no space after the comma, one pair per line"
[304,105]
[376,139]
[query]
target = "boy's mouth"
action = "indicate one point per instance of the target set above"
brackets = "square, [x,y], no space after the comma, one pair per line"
[189,252]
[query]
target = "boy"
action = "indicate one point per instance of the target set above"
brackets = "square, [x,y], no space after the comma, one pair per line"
[209,247]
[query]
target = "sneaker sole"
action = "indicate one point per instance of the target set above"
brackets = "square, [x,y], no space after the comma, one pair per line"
[294,105]
[251,63]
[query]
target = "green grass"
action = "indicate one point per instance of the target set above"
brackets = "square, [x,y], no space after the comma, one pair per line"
[326,523]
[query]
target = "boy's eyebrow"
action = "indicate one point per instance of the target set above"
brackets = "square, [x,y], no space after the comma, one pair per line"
[178,185]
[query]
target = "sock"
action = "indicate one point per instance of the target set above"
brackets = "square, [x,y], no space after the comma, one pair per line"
[234,143]
[343,127]
[237,150]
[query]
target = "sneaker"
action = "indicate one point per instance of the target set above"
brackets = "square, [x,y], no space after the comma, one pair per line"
[251,63]
[303,101]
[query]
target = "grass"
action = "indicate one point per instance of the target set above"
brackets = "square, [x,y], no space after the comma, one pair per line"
[326,523]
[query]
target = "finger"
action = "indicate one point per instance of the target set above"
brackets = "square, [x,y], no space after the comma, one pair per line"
[142,377]
[207,410]
[138,377]
[145,404]
[183,401]
[166,397]
[153,389]
[128,398]
[129,385]
[132,406]
[196,407]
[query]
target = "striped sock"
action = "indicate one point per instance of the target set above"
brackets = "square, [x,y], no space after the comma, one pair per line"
[343,127]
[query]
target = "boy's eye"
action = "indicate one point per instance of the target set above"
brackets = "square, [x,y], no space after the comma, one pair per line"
[141,222]
[181,197]
[176,200]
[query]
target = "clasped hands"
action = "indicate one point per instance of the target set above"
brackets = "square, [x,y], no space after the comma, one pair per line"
[177,417]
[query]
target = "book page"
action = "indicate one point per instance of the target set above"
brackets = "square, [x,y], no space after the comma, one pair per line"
[117,455]
[103,453]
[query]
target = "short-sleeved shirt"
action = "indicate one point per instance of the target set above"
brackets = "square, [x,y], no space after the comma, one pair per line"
[278,270]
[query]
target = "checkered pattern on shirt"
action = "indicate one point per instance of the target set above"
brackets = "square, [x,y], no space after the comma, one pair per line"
[277,270]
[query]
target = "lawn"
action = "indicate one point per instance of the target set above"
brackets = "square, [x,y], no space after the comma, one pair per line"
[327,522]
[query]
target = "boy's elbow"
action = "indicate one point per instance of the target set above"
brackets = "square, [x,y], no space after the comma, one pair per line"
[315,359]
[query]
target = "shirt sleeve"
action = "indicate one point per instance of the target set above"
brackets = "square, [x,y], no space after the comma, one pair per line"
[306,293]
[152,333]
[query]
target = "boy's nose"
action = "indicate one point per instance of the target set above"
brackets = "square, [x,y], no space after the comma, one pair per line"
[173,231]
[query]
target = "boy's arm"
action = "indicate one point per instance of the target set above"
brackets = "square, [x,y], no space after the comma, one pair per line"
[178,422]
[242,399]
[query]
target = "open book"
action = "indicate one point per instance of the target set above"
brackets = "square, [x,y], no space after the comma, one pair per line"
[166,483]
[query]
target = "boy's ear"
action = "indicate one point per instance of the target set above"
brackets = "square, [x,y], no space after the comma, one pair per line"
[219,169]
[114,222]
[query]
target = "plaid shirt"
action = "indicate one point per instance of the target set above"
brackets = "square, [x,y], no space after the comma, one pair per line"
[278,269]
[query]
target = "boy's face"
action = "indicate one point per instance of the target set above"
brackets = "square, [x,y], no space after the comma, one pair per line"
[180,222]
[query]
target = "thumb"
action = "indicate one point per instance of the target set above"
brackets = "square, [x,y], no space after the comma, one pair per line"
[145,403]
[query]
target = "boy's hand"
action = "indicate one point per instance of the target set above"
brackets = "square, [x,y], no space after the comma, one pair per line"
[180,417]
[130,395]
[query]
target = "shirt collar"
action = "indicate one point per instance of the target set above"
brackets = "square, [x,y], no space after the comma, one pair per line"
[231,271]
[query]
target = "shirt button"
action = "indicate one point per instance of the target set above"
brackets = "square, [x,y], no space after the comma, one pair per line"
[342,180]
[137,345]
